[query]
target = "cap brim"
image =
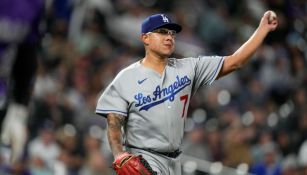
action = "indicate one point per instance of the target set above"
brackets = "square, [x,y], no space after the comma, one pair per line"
[171,26]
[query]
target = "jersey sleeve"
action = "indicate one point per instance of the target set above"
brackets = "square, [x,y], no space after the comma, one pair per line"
[207,69]
[111,101]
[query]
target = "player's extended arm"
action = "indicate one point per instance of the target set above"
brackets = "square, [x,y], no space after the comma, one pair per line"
[115,122]
[242,55]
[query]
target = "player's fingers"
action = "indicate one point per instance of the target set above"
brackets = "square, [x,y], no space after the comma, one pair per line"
[273,26]
[275,23]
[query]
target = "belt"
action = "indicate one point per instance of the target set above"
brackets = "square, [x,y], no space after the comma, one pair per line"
[173,154]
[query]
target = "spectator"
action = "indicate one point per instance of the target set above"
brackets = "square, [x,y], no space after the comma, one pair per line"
[270,165]
[44,150]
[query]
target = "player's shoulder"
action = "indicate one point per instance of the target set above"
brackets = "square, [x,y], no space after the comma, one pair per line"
[179,60]
[193,59]
[199,57]
[184,60]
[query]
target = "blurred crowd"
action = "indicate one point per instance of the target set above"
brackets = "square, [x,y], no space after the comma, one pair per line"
[255,116]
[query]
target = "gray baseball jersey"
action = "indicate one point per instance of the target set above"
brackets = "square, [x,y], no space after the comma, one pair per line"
[156,105]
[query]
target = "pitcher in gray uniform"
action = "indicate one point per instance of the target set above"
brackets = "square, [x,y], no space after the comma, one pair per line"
[146,104]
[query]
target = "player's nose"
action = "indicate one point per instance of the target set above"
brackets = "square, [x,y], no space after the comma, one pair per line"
[170,38]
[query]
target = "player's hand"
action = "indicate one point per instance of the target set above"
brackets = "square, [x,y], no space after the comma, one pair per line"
[269,21]
[14,130]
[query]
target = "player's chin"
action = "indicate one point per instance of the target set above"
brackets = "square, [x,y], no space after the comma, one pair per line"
[168,52]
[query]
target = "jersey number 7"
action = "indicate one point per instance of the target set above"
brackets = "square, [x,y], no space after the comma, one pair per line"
[184,98]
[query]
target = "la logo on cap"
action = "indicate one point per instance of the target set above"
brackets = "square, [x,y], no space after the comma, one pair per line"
[159,21]
[164,18]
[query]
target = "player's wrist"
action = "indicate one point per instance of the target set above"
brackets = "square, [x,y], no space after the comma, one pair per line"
[120,154]
[261,32]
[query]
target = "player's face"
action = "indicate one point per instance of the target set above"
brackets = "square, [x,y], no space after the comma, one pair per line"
[161,41]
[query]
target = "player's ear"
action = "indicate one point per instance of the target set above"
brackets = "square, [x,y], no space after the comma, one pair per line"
[145,38]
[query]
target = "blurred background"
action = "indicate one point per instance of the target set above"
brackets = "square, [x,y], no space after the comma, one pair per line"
[249,121]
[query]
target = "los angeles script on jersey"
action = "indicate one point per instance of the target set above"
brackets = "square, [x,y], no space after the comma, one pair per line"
[160,95]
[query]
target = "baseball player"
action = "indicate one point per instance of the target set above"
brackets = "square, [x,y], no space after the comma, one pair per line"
[19,37]
[146,104]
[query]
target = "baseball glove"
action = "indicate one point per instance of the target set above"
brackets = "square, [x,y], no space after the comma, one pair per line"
[128,164]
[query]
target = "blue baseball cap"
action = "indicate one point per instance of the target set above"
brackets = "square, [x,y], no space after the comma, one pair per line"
[157,21]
